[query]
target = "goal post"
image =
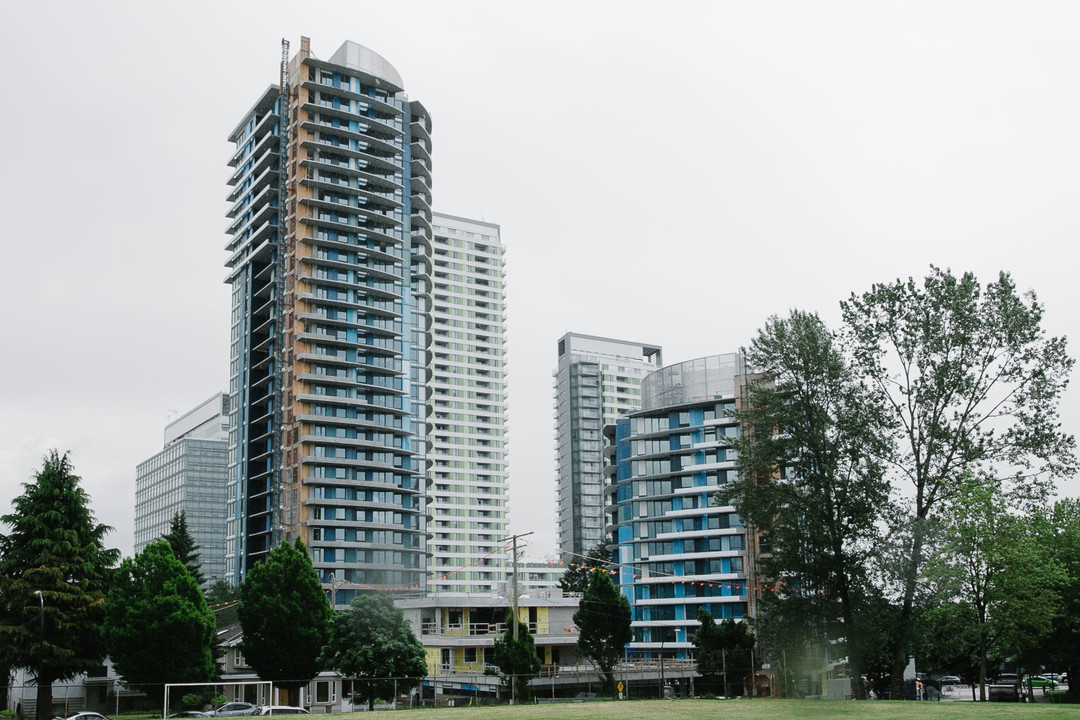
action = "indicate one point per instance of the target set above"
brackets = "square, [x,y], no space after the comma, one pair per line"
[264,697]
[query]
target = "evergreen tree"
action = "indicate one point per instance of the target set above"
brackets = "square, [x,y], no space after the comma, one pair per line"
[286,618]
[223,600]
[735,642]
[372,643]
[810,474]
[184,547]
[707,651]
[517,659]
[576,576]
[603,620]
[158,628]
[54,572]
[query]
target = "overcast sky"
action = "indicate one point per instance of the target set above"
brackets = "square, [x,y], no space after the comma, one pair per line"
[669,173]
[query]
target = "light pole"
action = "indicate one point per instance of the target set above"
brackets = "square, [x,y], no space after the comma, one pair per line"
[42,599]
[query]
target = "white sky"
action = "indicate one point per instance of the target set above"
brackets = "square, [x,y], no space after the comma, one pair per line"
[665,173]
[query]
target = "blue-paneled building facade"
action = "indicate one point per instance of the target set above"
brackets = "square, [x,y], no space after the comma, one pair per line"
[675,549]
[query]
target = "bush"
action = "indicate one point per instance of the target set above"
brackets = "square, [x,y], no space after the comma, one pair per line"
[218,700]
[192,700]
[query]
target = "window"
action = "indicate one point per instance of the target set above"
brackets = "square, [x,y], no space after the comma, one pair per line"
[324,691]
[470,655]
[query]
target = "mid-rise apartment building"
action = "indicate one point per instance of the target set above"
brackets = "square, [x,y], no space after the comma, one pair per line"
[677,550]
[597,379]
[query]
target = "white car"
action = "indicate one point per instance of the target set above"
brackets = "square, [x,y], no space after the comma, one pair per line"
[283,710]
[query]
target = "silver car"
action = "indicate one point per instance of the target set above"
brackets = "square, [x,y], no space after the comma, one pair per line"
[235,708]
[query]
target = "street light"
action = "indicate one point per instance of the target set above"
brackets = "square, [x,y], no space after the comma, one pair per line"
[42,599]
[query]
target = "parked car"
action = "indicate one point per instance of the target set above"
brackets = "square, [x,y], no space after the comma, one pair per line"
[189,714]
[950,680]
[232,709]
[283,710]
[86,715]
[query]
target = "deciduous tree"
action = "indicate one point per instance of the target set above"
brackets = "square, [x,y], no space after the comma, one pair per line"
[603,620]
[971,384]
[54,572]
[1060,538]
[285,616]
[158,628]
[372,643]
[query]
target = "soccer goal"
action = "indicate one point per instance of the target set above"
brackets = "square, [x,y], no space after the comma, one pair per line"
[263,696]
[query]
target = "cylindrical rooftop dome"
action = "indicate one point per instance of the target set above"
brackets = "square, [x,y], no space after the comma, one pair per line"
[691,381]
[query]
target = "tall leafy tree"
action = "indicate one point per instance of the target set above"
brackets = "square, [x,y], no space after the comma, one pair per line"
[810,467]
[54,572]
[372,643]
[184,546]
[516,658]
[971,384]
[285,617]
[577,574]
[603,620]
[158,628]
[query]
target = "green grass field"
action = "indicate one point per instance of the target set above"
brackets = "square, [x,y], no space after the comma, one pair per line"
[743,709]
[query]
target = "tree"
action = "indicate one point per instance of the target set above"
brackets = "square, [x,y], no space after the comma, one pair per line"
[809,468]
[994,566]
[223,600]
[603,620]
[736,643]
[577,574]
[1060,538]
[711,662]
[157,627]
[945,641]
[516,658]
[54,572]
[971,384]
[372,643]
[184,547]
[285,617]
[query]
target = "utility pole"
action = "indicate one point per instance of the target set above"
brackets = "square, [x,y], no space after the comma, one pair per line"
[514,605]
[514,581]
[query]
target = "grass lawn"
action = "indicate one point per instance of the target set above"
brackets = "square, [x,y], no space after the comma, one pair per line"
[739,709]
[724,710]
